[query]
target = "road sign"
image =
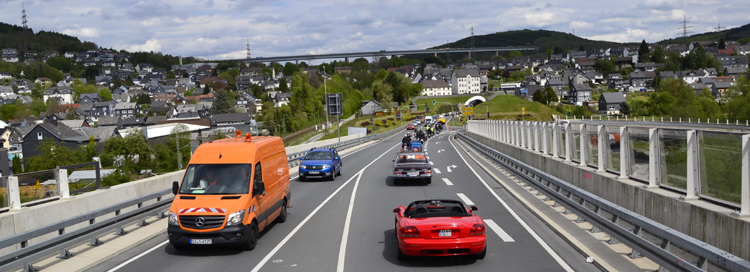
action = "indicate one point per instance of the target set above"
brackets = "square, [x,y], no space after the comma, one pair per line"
[335,105]
[398,116]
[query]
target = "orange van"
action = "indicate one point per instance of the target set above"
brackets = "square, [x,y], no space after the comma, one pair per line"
[231,190]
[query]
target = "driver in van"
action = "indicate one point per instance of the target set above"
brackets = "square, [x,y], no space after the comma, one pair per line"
[208,179]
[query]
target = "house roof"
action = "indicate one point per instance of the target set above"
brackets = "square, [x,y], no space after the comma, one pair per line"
[613,98]
[125,106]
[134,121]
[64,132]
[153,120]
[58,90]
[434,84]
[100,133]
[108,121]
[466,72]
[229,117]
[73,123]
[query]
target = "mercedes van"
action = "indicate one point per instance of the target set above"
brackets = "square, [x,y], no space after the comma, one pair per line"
[232,189]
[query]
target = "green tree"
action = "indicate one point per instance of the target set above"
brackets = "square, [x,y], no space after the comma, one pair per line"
[738,107]
[557,50]
[539,97]
[51,154]
[290,69]
[643,52]
[189,93]
[144,99]
[17,168]
[722,43]
[624,108]
[131,153]
[222,102]
[604,65]
[283,85]
[514,54]
[658,55]
[105,94]
[384,93]
[550,95]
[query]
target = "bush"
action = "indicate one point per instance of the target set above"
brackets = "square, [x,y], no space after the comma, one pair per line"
[115,178]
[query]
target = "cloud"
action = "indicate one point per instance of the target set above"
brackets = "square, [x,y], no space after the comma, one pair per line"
[580,25]
[152,45]
[84,32]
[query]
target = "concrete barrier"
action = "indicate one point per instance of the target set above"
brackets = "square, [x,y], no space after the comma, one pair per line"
[19,221]
[707,222]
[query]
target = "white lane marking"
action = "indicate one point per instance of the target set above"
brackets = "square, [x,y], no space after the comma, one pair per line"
[449,168]
[497,229]
[515,215]
[439,151]
[448,182]
[428,157]
[347,222]
[138,256]
[432,163]
[436,171]
[299,226]
[465,199]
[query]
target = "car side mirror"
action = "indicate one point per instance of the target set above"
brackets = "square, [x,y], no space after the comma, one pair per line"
[337,157]
[397,210]
[175,187]
[393,160]
[259,188]
[474,208]
[302,159]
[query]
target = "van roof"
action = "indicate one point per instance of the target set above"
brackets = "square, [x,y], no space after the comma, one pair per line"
[236,150]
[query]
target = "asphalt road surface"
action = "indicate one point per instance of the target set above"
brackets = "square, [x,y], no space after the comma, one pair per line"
[347,224]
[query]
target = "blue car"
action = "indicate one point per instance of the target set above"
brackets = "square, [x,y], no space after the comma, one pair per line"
[320,163]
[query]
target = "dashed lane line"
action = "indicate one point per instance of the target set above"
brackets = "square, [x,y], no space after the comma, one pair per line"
[447,182]
[499,231]
[465,199]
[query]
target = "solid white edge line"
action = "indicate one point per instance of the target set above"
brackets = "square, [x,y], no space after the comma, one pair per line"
[498,230]
[465,199]
[299,226]
[515,215]
[447,182]
[138,256]
[347,222]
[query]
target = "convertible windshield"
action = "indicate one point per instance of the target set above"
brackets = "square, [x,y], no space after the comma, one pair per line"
[214,179]
[435,208]
[318,155]
[411,158]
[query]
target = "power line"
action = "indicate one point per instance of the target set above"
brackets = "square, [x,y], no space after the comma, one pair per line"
[719,28]
[248,49]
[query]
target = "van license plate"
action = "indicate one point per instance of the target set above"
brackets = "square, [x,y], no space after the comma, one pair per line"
[314,172]
[201,241]
[445,233]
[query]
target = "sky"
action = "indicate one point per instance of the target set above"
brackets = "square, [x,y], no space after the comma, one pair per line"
[221,29]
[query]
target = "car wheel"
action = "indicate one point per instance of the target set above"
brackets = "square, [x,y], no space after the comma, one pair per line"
[401,256]
[339,173]
[282,215]
[429,180]
[481,254]
[301,178]
[252,240]
[396,181]
[333,175]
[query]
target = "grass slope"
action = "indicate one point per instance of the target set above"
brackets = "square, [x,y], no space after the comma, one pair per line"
[509,107]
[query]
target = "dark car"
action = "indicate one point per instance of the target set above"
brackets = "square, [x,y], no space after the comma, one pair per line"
[411,166]
[320,163]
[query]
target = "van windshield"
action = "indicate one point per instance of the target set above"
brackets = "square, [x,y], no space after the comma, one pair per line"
[216,179]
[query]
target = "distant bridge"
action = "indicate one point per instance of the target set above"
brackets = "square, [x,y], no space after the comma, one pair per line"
[383,53]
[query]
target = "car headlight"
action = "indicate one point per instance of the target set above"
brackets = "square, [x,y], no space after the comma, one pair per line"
[326,166]
[173,219]
[303,166]
[236,218]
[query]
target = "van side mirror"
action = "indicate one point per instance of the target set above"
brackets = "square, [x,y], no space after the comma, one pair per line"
[259,188]
[175,187]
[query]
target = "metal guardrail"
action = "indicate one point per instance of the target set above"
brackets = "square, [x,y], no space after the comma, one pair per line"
[564,194]
[294,157]
[28,253]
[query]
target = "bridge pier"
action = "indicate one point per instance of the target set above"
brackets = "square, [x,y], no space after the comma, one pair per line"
[346,59]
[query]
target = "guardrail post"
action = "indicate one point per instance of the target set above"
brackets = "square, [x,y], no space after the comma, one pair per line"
[584,146]
[555,140]
[535,135]
[522,134]
[624,153]
[14,193]
[745,203]
[62,183]
[496,130]
[545,139]
[602,142]
[517,133]
[693,166]
[568,143]
[503,132]
[654,164]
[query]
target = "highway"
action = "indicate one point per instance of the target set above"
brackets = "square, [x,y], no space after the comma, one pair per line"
[347,224]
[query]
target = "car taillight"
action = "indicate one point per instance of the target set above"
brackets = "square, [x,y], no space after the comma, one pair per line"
[410,231]
[428,171]
[477,229]
[396,172]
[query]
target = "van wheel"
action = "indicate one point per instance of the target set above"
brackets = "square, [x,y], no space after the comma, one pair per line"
[252,240]
[282,215]
[179,247]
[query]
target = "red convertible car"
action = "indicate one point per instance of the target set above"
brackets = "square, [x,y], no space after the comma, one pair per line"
[410,127]
[439,228]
